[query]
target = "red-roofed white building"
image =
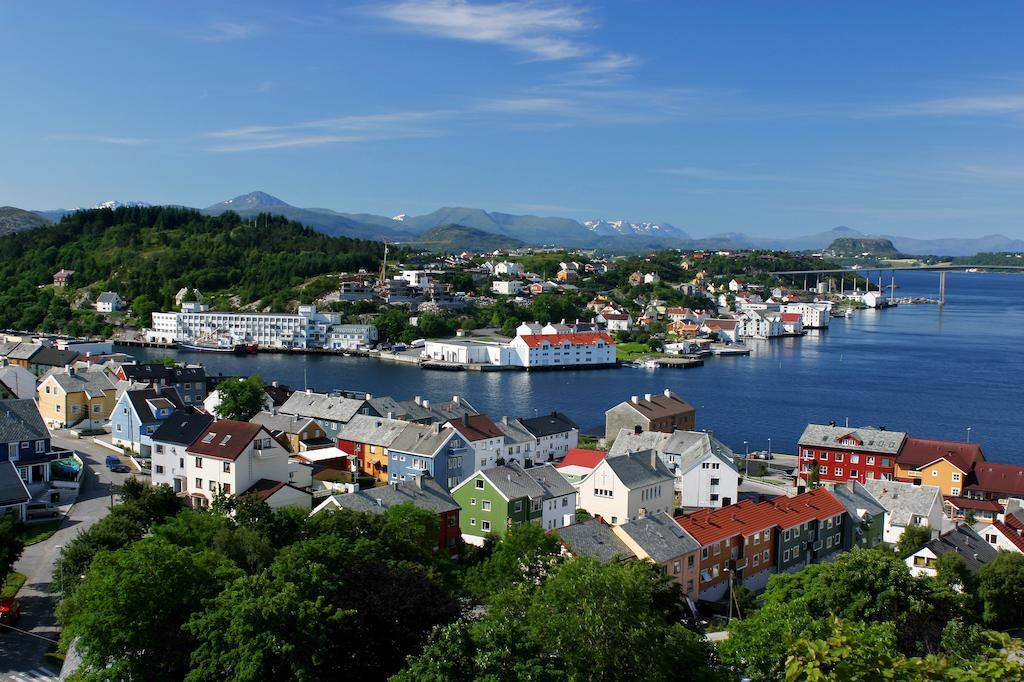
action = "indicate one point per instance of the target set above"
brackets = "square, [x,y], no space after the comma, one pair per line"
[578,463]
[532,351]
[793,323]
[1001,536]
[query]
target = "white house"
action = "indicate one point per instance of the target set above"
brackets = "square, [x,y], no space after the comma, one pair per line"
[350,336]
[555,434]
[305,329]
[619,487]
[617,321]
[961,540]
[534,351]
[760,324]
[508,268]
[109,302]
[736,284]
[651,278]
[170,441]
[506,287]
[814,315]
[1001,536]
[467,351]
[905,505]
[728,331]
[483,436]
[236,458]
[704,468]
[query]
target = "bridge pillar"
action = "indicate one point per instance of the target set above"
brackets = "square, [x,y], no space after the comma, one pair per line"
[942,287]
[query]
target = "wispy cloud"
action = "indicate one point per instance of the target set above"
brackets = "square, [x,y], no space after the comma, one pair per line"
[542,30]
[717,175]
[1013,173]
[972,105]
[328,131]
[224,31]
[104,139]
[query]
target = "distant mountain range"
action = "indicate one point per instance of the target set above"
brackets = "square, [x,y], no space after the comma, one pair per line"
[18,220]
[462,238]
[621,236]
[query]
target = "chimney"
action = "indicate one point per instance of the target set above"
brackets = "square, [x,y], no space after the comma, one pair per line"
[275,384]
[641,513]
[309,391]
[380,502]
[654,459]
[418,400]
[456,400]
[391,415]
[70,369]
[647,396]
[882,427]
[419,481]
[369,396]
[634,399]
[936,533]
[436,427]
[426,404]
[465,419]
[504,420]
[668,393]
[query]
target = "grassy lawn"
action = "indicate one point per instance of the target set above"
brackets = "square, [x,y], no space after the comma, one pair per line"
[37,532]
[13,583]
[628,352]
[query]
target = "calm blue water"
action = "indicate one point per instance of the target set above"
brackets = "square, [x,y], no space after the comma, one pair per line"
[931,372]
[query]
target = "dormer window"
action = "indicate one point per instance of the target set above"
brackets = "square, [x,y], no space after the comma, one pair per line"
[208,438]
[225,440]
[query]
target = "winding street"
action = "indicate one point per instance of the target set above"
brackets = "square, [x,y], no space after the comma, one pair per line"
[22,655]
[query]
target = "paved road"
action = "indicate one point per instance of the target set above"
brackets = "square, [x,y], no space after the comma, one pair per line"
[21,655]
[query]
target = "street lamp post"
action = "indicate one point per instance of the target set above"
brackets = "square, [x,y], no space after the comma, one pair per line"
[746,459]
[968,434]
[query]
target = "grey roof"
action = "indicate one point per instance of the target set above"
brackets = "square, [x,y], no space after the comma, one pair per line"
[692,447]
[967,544]
[514,431]
[548,424]
[661,537]
[54,358]
[430,496]
[284,423]
[7,346]
[372,430]
[628,440]
[857,500]
[422,411]
[12,488]
[420,439]
[904,500]
[874,440]
[554,483]
[93,382]
[21,381]
[24,351]
[108,297]
[182,427]
[322,406]
[636,469]
[514,482]
[20,421]
[594,539]
[143,401]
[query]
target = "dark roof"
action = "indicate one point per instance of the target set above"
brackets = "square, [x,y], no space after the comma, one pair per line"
[660,405]
[187,374]
[857,501]
[142,399]
[966,543]
[278,394]
[661,537]
[182,427]
[918,452]
[548,424]
[12,488]
[51,357]
[146,372]
[638,469]
[1001,479]
[226,439]
[477,427]
[264,488]
[426,494]
[24,351]
[969,503]
[20,421]
[594,539]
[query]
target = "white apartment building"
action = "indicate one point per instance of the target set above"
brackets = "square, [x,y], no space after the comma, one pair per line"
[619,487]
[305,329]
[561,350]
[815,315]
[506,287]
[349,336]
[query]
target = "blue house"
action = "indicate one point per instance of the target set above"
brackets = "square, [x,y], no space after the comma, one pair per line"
[24,440]
[138,414]
[435,450]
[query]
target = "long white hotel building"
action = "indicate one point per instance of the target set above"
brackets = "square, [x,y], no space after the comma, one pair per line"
[305,329]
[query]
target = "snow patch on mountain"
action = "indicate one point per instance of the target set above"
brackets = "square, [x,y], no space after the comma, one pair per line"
[400,217]
[626,228]
[113,203]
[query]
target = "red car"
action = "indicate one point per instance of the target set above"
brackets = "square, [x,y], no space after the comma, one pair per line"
[10,609]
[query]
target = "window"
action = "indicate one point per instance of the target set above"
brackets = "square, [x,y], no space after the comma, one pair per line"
[853,473]
[824,456]
[485,505]
[786,536]
[227,467]
[472,501]
[226,488]
[935,472]
[838,471]
[785,555]
[479,484]
[213,485]
[956,478]
[854,459]
[718,548]
[565,501]
[823,470]
[96,408]
[764,556]
[839,457]
[119,428]
[757,560]
[704,553]
[677,567]
[199,483]
[199,462]
[159,469]
[955,492]
[519,505]
[828,542]
[836,541]
[766,536]
[689,561]
[472,522]
[485,525]
[991,538]
[756,538]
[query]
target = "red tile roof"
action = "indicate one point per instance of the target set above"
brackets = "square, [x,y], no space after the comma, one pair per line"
[711,525]
[582,458]
[791,317]
[264,488]
[477,427]
[1014,521]
[578,339]
[1002,479]
[226,439]
[918,452]
[1012,535]
[817,504]
[980,505]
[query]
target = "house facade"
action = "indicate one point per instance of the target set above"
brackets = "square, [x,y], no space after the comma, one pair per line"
[433,450]
[482,436]
[555,434]
[548,351]
[962,540]
[109,302]
[305,329]
[368,439]
[624,487]
[351,336]
[946,464]
[138,414]
[233,457]
[24,440]
[840,454]
[658,538]
[76,398]
[170,442]
[665,412]
[906,505]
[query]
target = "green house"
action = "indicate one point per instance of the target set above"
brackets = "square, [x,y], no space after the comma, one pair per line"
[865,516]
[507,496]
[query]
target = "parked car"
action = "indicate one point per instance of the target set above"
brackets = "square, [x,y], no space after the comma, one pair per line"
[115,465]
[38,510]
[10,610]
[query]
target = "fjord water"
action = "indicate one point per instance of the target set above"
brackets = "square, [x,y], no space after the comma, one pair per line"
[927,370]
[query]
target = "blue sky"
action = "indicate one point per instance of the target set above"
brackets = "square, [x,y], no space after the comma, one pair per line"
[776,118]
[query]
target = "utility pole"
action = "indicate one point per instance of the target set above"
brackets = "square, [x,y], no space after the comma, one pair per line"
[968,434]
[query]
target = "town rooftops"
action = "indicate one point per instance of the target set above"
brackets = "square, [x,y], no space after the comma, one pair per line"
[20,421]
[548,424]
[857,500]
[514,482]
[322,406]
[919,452]
[108,297]
[476,427]
[693,447]
[997,478]
[639,469]
[51,357]
[264,488]
[146,400]
[553,483]
[659,405]
[577,339]
[578,457]
[974,505]
[281,423]
[904,501]
[966,543]
[593,538]
[423,492]
[660,536]
[12,488]
[379,431]
[720,323]
[148,372]
[790,318]
[1011,534]
[863,439]
[92,382]
[24,351]
[817,504]
[743,518]
[421,439]
[182,427]
[226,439]
[628,440]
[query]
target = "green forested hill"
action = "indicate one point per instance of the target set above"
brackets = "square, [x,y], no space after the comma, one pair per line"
[148,253]
[18,220]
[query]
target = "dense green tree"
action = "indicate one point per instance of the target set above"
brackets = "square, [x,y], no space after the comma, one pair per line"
[125,524]
[11,545]
[912,539]
[524,555]
[758,645]
[240,399]
[127,615]
[1001,590]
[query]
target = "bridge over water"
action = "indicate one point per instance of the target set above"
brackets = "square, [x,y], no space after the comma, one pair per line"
[866,273]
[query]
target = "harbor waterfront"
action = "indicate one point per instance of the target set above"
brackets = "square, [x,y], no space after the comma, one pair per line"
[934,371]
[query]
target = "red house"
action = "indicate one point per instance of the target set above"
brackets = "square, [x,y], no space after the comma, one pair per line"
[844,454]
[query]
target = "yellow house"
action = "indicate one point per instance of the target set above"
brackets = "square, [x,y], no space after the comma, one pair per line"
[76,397]
[941,463]
[368,438]
[298,434]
